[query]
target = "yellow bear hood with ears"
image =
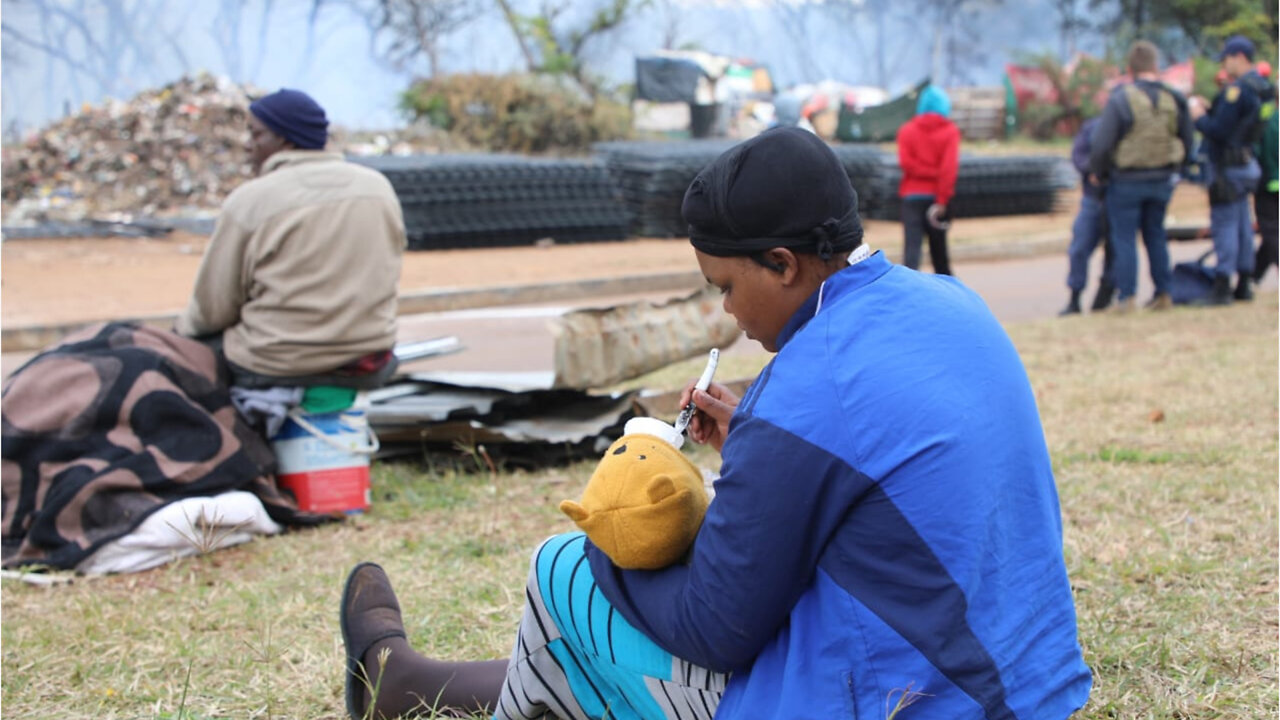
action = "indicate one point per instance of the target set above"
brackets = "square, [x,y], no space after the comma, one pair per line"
[643,505]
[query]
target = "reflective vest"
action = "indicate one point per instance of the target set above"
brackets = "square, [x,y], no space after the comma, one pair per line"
[1264,134]
[1153,140]
[1267,145]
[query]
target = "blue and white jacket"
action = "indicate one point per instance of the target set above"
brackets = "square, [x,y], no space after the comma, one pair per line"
[886,523]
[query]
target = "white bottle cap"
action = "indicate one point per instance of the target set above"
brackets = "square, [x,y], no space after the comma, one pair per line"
[655,427]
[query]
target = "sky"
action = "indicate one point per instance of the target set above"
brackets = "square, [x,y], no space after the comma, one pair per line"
[336,64]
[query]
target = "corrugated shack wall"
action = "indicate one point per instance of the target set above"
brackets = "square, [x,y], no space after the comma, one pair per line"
[978,112]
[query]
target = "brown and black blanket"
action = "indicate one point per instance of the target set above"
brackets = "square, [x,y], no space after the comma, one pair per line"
[111,425]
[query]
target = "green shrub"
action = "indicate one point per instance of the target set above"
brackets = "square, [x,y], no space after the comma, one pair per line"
[516,112]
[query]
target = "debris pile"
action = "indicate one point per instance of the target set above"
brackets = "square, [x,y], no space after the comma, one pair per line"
[181,146]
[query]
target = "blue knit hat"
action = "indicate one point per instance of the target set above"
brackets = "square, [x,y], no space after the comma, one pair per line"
[1237,45]
[933,99]
[294,116]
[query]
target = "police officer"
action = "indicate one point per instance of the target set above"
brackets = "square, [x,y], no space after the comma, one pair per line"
[1140,147]
[1230,128]
[1088,230]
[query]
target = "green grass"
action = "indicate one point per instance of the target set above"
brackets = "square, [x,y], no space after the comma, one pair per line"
[1163,432]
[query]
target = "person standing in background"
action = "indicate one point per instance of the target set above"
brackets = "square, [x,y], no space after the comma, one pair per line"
[1142,142]
[297,286]
[1231,127]
[1089,228]
[929,154]
[1266,202]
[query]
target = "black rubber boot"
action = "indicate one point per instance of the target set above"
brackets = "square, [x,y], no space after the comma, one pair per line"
[1102,301]
[1073,305]
[1244,288]
[1221,294]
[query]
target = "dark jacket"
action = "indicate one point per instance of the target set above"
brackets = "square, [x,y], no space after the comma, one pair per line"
[1080,149]
[1117,120]
[1229,127]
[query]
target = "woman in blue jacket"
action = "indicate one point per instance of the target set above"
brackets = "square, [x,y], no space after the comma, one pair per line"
[885,534]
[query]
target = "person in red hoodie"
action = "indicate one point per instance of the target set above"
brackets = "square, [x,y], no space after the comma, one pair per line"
[929,153]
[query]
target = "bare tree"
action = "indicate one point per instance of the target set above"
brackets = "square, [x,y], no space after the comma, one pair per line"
[957,35]
[226,34]
[114,48]
[57,27]
[554,41]
[405,31]
[264,25]
[515,22]
[108,58]
[793,21]
[876,16]
[1072,21]
[670,22]
[314,13]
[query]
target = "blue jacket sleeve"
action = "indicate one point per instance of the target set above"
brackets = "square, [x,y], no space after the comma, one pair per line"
[777,503]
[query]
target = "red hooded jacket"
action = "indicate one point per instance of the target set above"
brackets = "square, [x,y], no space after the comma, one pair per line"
[929,153]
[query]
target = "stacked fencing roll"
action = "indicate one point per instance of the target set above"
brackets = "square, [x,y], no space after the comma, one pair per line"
[868,168]
[652,178]
[988,186]
[465,201]
[636,188]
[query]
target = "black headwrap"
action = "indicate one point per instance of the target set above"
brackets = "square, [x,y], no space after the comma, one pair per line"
[783,188]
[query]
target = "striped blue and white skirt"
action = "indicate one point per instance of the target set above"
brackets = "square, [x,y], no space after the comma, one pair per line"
[576,658]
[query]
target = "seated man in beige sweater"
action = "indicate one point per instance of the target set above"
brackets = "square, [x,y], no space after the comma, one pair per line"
[299,278]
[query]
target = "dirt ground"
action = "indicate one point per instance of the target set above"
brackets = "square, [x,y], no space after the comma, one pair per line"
[56,281]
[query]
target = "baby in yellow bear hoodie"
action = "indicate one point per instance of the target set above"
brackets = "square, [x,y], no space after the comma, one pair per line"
[645,501]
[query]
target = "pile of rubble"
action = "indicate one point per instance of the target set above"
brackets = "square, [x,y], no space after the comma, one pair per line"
[166,150]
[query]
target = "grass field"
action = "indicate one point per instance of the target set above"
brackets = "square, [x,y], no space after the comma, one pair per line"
[1163,431]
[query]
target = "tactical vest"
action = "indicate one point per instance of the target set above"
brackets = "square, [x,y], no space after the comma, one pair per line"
[1153,140]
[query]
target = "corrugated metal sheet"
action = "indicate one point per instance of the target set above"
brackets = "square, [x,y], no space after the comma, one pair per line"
[536,416]
[416,416]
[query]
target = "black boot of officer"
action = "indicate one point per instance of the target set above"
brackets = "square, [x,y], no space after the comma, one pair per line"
[1221,294]
[1244,287]
[1106,291]
[1073,305]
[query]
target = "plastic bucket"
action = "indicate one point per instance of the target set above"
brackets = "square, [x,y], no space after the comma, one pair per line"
[323,460]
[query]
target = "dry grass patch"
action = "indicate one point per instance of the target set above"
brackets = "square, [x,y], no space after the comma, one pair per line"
[1163,429]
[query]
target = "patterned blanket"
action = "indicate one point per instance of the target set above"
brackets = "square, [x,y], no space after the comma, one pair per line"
[111,425]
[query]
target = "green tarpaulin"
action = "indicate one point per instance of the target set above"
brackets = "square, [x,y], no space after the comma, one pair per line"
[878,123]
